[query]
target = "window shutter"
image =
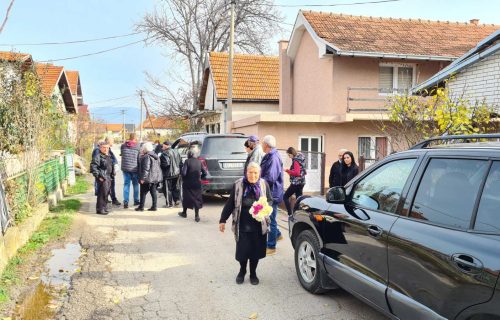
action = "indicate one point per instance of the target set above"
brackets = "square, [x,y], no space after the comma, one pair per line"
[385,83]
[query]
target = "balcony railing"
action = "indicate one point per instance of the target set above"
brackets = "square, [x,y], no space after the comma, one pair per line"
[360,99]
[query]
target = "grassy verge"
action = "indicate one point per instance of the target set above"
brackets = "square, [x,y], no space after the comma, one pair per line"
[81,186]
[51,228]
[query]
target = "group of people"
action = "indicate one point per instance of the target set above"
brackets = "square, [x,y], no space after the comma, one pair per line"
[343,170]
[145,167]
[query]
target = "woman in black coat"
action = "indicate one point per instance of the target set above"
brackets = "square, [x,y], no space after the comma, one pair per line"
[349,167]
[250,234]
[192,172]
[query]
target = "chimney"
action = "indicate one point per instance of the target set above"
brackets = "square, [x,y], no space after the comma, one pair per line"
[285,71]
[474,21]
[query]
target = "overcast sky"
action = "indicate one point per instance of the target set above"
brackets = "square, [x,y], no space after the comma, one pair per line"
[120,73]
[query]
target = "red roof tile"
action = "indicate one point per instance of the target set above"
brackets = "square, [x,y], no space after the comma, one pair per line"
[397,36]
[161,123]
[73,77]
[49,76]
[14,56]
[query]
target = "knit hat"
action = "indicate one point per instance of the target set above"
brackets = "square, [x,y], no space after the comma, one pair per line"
[253,138]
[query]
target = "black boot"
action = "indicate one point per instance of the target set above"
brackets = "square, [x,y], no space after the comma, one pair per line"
[243,270]
[253,272]
[196,215]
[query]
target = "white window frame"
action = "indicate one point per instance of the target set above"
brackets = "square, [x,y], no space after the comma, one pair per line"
[395,66]
[373,145]
[321,146]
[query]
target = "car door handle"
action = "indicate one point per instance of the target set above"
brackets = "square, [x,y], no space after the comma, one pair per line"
[466,263]
[375,231]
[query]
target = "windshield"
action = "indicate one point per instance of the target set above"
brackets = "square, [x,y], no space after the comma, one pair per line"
[224,145]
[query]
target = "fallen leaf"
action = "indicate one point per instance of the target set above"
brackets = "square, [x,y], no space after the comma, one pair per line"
[61,270]
[253,316]
[78,270]
[33,278]
[52,306]
[116,301]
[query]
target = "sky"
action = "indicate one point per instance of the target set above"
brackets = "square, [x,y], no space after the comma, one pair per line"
[121,73]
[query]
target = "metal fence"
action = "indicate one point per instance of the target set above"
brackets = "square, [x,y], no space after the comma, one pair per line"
[315,167]
[49,176]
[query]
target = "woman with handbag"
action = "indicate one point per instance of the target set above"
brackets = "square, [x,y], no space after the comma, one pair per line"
[192,171]
[249,204]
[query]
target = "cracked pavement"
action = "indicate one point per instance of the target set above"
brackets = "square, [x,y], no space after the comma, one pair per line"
[156,265]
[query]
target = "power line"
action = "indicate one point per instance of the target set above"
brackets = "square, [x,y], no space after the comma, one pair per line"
[112,99]
[95,53]
[70,42]
[331,5]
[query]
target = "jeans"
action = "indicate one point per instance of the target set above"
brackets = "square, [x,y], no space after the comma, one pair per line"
[134,178]
[293,188]
[274,233]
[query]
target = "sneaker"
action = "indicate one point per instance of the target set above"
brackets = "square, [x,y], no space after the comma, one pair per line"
[182,214]
[117,203]
[168,205]
[136,203]
[177,203]
[152,209]
[270,251]
[240,278]
[254,280]
[280,238]
[139,209]
[102,212]
[125,205]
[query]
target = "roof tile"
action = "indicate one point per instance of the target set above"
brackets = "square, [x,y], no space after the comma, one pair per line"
[49,75]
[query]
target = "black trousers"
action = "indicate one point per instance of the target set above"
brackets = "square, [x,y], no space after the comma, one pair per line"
[103,189]
[170,190]
[145,189]
[293,188]
[112,191]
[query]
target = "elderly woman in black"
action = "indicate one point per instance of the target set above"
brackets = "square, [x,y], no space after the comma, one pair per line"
[192,172]
[250,234]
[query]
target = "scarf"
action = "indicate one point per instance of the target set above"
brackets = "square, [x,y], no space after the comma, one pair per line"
[254,187]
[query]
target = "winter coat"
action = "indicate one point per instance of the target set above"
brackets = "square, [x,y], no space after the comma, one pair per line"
[272,171]
[348,173]
[192,172]
[130,151]
[335,178]
[170,162]
[297,170]
[111,154]
[149,168]
[255,156]
[102,166]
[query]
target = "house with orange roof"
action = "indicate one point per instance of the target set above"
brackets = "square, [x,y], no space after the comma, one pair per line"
[55,85]
[338,71]
[255,89]
[162,126]
[75,86]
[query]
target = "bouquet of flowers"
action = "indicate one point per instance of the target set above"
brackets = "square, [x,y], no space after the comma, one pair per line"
[260,209]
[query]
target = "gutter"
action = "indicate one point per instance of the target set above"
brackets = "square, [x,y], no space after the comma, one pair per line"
[392,56]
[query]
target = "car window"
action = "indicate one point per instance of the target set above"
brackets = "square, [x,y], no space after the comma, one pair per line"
[381,189]
[488,214]
[220,146]
[448,190]
[186,144]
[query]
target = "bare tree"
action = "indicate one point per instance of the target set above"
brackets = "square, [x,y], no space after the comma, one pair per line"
[192,28]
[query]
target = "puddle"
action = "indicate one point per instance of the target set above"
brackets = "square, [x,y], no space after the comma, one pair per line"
[42,303]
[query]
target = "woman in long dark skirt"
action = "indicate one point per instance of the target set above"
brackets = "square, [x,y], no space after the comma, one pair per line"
[192,172]
[250,234]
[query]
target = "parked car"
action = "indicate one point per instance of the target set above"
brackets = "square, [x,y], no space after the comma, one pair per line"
[416,236]
[223,157]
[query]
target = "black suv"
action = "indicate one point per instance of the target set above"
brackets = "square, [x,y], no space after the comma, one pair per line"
[223,156]
[417,235]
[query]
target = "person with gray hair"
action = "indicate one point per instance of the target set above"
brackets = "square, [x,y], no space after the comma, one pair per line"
[102,169]
[335,178]
[272,172]
[250,234]
[192,172]
[149,175]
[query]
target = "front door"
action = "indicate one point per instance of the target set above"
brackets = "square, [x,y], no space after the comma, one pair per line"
[312,147]
[355,236]
[440,262]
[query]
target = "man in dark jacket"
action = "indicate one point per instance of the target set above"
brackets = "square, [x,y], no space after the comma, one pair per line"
[149,175]
[102,169]
[335,178]
[109,141]
[272,172]
[170,162]
[130,168]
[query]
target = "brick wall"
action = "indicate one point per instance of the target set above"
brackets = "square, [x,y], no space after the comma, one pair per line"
[479,81]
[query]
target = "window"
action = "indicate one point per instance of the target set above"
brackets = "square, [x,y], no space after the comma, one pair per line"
[448,191]
[212,127]
[217,126]
[395,78]
[488,214]
[207,128]
[312,147]
[381,189]
[372,148]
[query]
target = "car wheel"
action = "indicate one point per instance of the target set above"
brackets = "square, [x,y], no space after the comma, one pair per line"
[307,263]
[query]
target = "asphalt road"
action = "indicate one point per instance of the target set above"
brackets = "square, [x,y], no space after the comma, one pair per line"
[156,265]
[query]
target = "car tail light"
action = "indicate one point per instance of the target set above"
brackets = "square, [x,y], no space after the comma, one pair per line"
[203,163]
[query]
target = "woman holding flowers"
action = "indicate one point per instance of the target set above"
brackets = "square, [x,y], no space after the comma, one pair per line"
[249,206]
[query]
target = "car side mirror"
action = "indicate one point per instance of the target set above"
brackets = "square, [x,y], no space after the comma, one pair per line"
[336,195]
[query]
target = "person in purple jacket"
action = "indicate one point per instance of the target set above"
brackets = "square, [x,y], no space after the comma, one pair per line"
[272,171]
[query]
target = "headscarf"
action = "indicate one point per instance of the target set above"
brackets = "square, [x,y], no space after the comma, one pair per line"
[254,187]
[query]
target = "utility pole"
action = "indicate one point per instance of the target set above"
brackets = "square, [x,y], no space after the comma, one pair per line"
[123,122]
[140,125]
[229,103]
